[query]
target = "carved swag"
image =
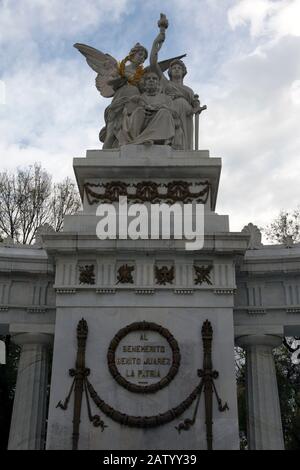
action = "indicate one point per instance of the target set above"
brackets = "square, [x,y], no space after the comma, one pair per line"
[81,386]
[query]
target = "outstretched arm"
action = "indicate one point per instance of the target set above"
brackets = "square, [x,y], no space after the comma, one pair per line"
[157,43]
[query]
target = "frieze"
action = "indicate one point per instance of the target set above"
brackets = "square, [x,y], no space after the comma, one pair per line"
[148,191]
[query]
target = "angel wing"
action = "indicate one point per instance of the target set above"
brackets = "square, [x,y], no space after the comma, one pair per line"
[105,65]
[165,64]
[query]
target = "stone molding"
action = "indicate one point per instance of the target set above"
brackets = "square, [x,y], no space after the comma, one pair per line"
[105,291]
[256,311]
[224,291]
[183,291]
[293,310]
[37,310]
[22,339]
[65,291]
[272,341]
[145,291]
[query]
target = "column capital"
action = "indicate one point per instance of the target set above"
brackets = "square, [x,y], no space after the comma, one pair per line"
[32,338]
[272,341]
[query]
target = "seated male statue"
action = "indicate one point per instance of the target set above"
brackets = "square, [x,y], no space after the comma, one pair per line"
[149,118]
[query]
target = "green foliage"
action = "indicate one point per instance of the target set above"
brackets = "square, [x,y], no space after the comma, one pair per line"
[288,379]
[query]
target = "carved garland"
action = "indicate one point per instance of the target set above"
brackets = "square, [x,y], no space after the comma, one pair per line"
[147,191]
[82,386]
[140,326]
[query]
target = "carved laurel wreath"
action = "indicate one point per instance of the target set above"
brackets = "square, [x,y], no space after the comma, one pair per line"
[143,326]
[134,80]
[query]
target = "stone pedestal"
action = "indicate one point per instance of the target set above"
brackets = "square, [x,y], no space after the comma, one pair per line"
[264,420]
[180,304]
[27,430]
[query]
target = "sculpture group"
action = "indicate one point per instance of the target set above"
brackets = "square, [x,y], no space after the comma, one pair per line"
[147,107]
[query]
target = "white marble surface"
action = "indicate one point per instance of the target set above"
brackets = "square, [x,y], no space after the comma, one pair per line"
[264,419]
[185,324]
[27,431]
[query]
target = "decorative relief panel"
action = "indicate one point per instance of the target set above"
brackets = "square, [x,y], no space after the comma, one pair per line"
[164,275]
[202,274]
[125,274]
[148,191]
[87,274]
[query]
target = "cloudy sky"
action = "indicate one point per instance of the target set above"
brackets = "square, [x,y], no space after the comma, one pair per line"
[243,60]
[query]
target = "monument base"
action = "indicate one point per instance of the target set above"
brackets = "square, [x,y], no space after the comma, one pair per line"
[149,386]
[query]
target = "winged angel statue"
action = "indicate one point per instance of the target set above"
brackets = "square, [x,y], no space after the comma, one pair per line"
[142,109]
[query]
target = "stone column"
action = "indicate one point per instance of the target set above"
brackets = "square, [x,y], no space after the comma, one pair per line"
[27,431]
[264,419]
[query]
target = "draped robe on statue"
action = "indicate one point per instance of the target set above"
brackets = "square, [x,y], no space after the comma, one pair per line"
[151,120]
[183,98]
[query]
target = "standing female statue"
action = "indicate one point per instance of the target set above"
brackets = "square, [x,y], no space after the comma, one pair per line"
[185,102]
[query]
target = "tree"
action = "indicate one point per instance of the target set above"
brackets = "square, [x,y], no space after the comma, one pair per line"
[64,201]
[288,379]
[285,226]
[28,199]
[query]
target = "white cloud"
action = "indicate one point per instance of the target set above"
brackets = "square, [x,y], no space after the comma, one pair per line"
[295,92]
[267,17]
[251,86]
[255,128]
[19,19]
